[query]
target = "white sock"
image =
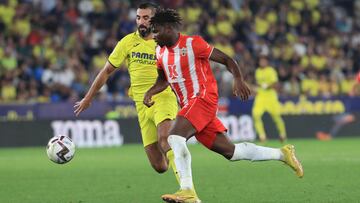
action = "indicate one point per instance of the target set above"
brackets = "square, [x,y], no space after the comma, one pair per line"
[182,159]
[250,151]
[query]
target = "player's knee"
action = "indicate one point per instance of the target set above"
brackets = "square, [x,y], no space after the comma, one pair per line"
[228,155]
[160,167]
[163,143]
[256,115]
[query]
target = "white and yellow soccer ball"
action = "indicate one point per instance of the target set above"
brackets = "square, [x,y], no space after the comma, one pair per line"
[60,149]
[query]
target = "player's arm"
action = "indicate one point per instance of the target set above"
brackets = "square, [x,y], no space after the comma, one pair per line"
[160,85]
[274,81]
[273,85]
[99,81]
[240,87]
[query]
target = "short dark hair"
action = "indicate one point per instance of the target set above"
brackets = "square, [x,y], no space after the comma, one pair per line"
[146,5]
[166,16]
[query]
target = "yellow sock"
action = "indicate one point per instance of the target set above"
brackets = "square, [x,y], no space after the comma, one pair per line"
[170,157]
[280,124]
[259,126]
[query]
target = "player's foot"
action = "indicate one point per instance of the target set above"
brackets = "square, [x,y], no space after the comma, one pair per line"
[323,136]
[262,139]
[282,139]
[349,118]
[291,160]
[182,196]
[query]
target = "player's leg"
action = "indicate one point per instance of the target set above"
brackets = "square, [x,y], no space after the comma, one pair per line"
[340,121]
[257,113]
[213,136]
[191,119]
[274,110]
[163,129]
[165,111]
[157,159]
[150,141]
[180,132]
[152,148]
[244,151]
[252,152]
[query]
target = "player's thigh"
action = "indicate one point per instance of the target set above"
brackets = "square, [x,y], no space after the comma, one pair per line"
[258,108]
[165,108]
[208,135]
[274,107]
[147,126]
[222,145]
[198,113]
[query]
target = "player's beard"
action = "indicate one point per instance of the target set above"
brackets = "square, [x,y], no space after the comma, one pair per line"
[144,32]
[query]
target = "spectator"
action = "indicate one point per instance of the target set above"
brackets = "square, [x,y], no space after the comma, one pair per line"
[47,41]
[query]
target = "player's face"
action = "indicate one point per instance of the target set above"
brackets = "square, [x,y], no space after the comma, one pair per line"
[143,17]
[161,35]
[263,62]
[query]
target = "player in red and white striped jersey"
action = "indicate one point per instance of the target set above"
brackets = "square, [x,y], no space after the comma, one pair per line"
[183,63]
[189,76]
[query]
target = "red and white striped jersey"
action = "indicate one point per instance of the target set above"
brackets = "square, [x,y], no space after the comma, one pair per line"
[187,68]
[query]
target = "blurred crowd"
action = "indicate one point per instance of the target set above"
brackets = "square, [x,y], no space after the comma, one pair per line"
[50,50]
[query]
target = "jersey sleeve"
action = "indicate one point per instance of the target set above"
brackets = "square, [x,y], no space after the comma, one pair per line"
[201,48]
[158,58]
[118,55]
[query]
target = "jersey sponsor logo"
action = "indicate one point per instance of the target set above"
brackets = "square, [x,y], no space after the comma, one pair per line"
[143,58]
[137,44]
[183,51]
[141,55]
[173,74]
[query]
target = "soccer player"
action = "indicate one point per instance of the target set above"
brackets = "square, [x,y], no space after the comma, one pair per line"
[138,51]
[183,63]
[266,100]
[343,119]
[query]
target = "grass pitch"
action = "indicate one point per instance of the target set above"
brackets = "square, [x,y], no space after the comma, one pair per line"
[123,174]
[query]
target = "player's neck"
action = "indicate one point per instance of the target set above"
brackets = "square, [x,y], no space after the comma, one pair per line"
[149,37]
[174,40]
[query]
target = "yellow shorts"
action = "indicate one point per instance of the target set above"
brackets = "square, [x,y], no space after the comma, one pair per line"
[270,105]
[165,107]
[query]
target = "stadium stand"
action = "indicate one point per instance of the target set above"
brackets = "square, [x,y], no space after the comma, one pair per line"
[50,50]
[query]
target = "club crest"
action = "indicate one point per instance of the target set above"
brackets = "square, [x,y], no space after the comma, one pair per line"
[183,51]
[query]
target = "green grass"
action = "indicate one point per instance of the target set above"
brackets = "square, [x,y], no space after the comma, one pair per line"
[332,174]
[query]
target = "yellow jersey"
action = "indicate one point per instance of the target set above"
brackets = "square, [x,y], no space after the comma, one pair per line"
[140,59]
[265,77]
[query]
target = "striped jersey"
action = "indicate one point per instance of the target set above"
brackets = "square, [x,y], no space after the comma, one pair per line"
[187,68]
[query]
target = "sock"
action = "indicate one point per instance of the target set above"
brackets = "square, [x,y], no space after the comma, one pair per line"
[280,125]
[182,160]
[170,157]
[250,151]
[259,126]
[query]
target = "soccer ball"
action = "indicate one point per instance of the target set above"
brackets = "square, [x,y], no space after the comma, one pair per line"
[60,149]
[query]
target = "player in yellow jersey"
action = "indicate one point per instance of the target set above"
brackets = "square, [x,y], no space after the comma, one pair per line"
[137,50]
[266,99]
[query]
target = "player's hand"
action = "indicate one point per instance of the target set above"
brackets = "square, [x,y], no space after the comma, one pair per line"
[147,99]
[80,106]
[241,89]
